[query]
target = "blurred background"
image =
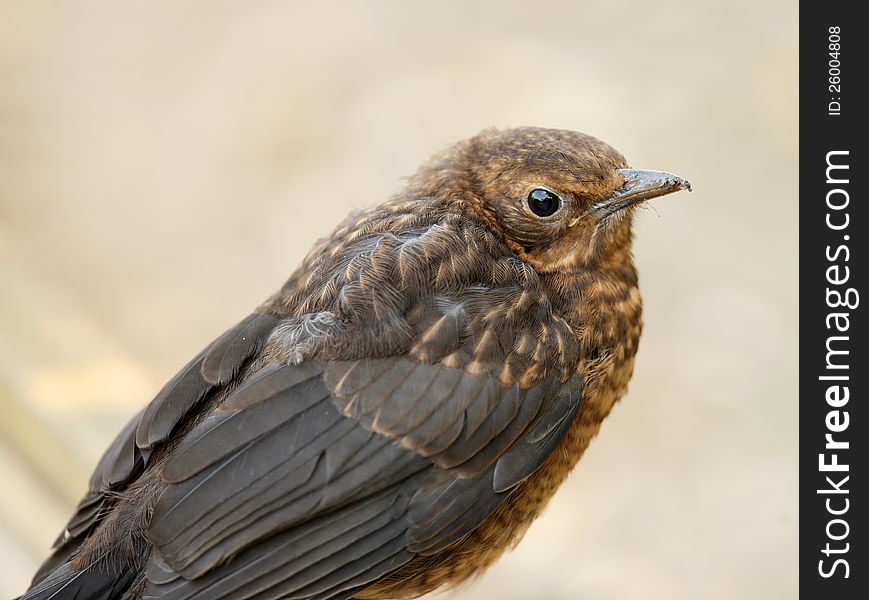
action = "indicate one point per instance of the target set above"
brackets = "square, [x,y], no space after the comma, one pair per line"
[165,165]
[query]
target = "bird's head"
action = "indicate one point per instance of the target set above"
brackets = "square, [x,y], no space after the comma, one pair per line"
[560,199]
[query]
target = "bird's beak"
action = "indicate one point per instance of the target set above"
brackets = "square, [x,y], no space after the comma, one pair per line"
[642,185]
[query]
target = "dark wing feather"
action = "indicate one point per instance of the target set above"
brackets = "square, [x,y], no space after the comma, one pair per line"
[305,477]
[282,563]
[228,352]
[289,456]
[499,429]
[180,394]
[442,515]
[528,454]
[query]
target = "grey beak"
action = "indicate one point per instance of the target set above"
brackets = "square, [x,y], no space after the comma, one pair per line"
[642,185]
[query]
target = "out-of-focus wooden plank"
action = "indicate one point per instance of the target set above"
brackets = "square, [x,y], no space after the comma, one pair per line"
[63,363]
[31,517]
[43,453]
[18,567]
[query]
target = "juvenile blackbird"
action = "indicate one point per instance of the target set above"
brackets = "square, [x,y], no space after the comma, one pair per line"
[399,412]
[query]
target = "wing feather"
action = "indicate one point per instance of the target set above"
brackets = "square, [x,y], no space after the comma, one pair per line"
[290,561]
[296,445]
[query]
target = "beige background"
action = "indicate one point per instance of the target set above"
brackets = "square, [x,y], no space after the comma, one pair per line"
[165,165]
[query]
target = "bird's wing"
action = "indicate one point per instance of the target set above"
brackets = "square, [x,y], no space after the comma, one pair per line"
[320,478]
[131,451]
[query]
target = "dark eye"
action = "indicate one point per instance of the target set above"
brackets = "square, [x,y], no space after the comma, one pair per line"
[543,203]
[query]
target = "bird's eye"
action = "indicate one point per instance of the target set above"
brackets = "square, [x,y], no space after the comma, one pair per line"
[543,203]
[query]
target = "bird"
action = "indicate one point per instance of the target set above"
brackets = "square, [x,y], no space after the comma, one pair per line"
[395,416]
